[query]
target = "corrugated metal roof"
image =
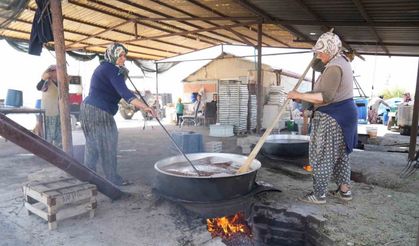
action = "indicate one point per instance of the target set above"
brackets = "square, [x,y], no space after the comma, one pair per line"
[157,29]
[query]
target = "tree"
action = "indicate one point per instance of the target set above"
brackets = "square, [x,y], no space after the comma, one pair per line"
[391,93]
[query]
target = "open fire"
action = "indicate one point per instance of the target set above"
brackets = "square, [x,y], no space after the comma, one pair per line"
[228,226]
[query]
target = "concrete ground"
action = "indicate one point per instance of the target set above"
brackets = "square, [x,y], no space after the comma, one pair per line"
[384,210]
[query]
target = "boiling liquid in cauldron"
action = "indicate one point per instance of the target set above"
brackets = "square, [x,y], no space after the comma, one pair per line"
[207,167]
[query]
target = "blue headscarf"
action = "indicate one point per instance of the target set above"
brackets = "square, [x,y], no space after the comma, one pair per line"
[113,52]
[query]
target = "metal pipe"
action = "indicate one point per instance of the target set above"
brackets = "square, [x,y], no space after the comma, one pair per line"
[41,148]
[164,128]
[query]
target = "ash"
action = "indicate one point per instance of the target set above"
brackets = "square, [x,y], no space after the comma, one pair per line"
[238,239]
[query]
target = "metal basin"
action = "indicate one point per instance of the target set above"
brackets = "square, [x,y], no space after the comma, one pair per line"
[286,145]
[204,188]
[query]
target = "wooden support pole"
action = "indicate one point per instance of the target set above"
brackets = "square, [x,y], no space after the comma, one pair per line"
[59,45]
[259,82]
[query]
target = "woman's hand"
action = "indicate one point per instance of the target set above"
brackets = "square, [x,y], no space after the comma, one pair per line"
[294,95]
[46,75]
[151,111]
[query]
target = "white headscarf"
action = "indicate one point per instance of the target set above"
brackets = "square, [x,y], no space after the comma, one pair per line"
[328,43]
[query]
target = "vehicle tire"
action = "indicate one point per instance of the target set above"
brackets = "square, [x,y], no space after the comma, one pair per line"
[126,113]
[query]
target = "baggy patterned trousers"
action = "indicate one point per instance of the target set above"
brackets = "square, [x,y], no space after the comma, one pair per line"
[327,153]
[101,135]
[53,130]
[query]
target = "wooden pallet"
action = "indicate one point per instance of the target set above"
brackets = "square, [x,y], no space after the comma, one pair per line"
[60,199]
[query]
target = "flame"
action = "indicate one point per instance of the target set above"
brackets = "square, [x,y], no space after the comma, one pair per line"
[227,226]
[308,168]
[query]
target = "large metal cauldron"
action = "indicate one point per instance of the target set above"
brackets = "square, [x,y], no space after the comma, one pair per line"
[204,188]
[286,145]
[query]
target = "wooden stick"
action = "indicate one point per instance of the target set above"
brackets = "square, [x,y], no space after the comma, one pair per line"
[245,167]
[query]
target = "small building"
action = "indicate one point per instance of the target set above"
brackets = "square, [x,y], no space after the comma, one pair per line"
[227,67]
[233,79]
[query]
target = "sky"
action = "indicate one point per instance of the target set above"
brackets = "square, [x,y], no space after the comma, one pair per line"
[21,71]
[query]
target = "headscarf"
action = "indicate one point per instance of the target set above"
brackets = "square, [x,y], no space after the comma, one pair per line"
[113,52]
[328,43]
[52,68]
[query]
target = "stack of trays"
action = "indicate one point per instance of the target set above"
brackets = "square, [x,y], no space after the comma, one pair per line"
[277,95]
[232,105]
[244,99]
[221,130]
[253,112]
[213,147]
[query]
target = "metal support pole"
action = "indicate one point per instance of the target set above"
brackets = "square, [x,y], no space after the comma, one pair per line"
[259,82]
[157,81]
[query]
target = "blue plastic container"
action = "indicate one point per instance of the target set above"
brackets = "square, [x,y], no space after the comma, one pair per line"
[38,104]
[362,106]
[385,118]
[189,142]
[14,98]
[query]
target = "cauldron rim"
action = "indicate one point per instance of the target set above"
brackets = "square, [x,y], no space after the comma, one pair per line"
[256,165]
[271,138]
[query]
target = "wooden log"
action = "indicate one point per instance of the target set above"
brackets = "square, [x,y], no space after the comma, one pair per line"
[59,45]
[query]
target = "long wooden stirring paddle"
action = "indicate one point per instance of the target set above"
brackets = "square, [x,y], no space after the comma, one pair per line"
[245,167]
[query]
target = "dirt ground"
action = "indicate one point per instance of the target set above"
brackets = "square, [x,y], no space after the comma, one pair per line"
[384,210]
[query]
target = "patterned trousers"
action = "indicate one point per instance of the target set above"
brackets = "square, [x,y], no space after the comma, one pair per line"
[327,153]
[53,130]
[101,135]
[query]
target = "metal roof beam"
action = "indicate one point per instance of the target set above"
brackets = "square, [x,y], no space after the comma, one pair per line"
[98,33]
[346,23]
[267,17]
[197,3]
[184,33]
[325,28]
[374,43]
[110,41]
[174,27]
[193,17]
[181,21]
[67,39]
[240,36]
[115,30]
[364,14]
[80,4]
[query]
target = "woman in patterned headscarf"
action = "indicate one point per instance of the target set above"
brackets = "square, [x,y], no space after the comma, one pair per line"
[334,125]
[107,87]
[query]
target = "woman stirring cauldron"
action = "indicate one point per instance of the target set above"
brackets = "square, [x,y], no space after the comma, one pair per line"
[334,125]
[107,87]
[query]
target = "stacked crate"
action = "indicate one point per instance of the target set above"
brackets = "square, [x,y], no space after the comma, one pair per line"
[233,105]
[213,147]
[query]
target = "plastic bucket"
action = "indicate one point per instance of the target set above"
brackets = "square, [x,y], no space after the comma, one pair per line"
[362,107]
[14,98]
[372,131]
[38,104]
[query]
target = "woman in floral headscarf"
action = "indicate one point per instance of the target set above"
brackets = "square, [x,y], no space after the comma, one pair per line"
[107,87]
[334,125]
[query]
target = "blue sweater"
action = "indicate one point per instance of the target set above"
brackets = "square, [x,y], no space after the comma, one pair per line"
[346,115]
[107,87]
